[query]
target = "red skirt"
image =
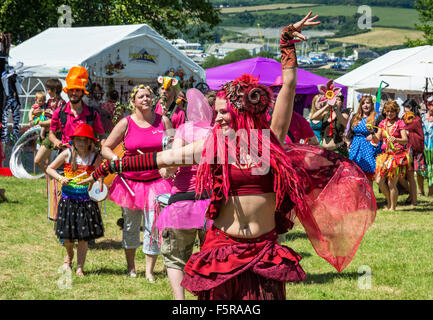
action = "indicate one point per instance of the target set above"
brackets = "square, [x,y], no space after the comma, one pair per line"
[260,265]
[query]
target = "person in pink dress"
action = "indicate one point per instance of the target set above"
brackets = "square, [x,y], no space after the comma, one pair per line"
[135,192]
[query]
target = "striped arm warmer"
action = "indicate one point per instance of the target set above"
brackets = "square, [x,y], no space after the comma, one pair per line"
[142,162]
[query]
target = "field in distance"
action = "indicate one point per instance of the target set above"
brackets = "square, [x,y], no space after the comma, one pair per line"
[381,37]
[389,16]
[266,7]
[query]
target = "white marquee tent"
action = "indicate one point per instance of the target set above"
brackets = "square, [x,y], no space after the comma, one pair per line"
[129,54]
[404,70]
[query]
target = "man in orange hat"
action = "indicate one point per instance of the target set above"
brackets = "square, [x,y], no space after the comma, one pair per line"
[67,118]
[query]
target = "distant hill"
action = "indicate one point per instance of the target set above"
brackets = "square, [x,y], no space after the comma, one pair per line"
[384,3]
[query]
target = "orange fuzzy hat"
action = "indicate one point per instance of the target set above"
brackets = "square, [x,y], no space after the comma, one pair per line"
[77,78]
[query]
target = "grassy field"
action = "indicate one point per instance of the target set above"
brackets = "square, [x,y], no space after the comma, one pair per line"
[381,37]
[397,249]
[388,16]
[275,6]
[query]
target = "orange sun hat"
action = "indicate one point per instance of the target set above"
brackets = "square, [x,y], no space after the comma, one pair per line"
[84,130]
[77,78]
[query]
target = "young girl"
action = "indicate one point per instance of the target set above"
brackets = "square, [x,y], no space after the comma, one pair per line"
[78,217]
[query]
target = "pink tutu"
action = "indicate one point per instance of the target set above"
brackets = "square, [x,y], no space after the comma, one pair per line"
[145,193]
[187,214]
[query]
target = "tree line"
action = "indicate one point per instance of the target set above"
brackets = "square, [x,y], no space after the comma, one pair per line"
[26,18]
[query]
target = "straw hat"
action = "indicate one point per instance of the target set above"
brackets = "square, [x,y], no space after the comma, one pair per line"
[77,78]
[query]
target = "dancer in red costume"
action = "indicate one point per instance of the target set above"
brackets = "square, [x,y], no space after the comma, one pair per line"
[256,196]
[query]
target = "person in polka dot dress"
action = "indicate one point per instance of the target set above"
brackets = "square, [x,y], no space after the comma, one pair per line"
[362,151]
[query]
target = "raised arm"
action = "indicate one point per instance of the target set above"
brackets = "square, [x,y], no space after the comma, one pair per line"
[283,110]
[318,115]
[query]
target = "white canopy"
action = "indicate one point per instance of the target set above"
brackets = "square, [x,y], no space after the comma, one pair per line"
[124,55]
[144,53]
[404,70]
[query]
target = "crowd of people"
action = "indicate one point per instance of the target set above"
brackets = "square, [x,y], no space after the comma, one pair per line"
[391,150]
[236,166]
[239,176]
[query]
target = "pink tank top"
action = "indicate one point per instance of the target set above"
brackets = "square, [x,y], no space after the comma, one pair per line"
[146,140]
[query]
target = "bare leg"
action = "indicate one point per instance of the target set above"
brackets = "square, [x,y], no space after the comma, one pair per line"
[412,186]
[130,261]
[41,157]
[384,189]
[150,265]
[430,191]
[81,256]
[175,276]
[69,246]
[393,191]
[405,183]
[420,181]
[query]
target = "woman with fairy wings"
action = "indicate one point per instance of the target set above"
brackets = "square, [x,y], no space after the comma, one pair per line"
[256,196]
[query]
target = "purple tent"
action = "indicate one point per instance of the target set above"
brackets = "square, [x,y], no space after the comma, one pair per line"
[268,70]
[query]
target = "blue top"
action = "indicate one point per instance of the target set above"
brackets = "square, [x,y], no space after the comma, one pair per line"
[362,151]
[317,129]
[427,127]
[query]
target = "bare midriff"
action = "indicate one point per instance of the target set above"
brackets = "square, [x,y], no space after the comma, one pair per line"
[247,216]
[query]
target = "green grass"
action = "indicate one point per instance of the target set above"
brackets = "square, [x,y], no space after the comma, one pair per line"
[388,16]
[397,248]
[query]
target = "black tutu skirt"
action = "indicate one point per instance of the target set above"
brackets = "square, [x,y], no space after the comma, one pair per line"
[79,220]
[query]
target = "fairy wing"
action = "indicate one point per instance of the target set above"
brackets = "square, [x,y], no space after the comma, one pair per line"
[199,115]
[340,203]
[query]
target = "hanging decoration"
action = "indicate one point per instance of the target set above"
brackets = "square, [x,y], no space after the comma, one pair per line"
[109,67]
[118,66]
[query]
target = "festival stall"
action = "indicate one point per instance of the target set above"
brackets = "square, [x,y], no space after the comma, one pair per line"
[268,70]
[117,57]
[407,73]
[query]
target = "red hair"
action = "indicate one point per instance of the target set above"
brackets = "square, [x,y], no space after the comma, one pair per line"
[210,173]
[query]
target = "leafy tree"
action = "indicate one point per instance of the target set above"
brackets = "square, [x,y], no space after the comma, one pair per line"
[236,55]
[26,18]
[425,10]
[231,57]
[210,62]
